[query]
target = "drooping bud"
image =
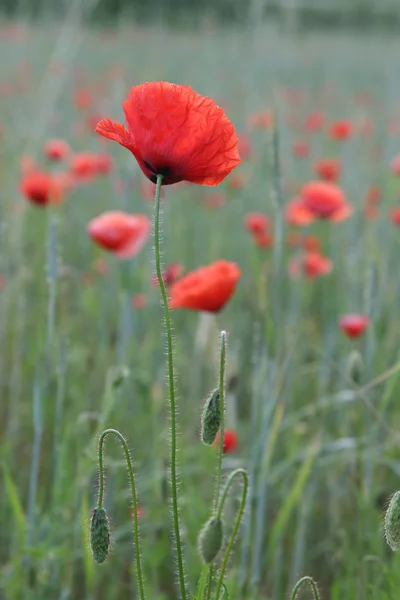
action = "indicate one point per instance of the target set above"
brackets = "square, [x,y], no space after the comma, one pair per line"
[210,539]
[211,418]
[392,522]
[355,367]
[99,534]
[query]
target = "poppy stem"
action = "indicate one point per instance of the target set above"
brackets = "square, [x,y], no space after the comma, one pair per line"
[172,403]
[239,517]
[100,500]
[313,585]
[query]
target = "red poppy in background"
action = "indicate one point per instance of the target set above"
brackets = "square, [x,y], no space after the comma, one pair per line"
[257,222]
[208,288]
[170,274]
[261,120]
[245,146]
[122,234]
[300,149]
[395,165]
[56,150]
[353,325]
[328,168]
[314,122]
[83,98]
[175,132]
[297,214]
[310,264]
[373,194]
[139,301]
[231,441]
[86,165]
[103,163]
[216,200]
[341,130]
[236,181]
[325,200]
[311,243]
[43,188]
[394,216]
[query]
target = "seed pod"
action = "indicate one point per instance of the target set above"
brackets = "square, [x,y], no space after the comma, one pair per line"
[355,367]
[210,539]
[99,534]
[392,522]
[211,418]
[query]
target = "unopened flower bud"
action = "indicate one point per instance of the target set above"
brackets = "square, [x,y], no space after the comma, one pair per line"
[210,539]
[99,534]
[392,522]
[211,418]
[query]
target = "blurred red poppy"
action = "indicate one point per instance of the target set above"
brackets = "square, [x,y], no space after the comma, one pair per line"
[325,201]
[297,214]
[257,222]
[314,122]
[311,243]
[139,301]
[56,150]
[353,325]
[300,149]
[261,120]
[43,188]
[328,168]
[395,165]
[394,216]
[373,194]
[208,288]
[216,200]
[175,132]
[341,130]
[245,146]
[309,264]
[83,98]
[236,181]
[170,274]
[122,234]
[231,441]
[86,165]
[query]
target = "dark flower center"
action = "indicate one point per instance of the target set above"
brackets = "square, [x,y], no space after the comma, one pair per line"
[164,171]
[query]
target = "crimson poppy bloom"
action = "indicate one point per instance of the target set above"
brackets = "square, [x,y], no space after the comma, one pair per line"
[231,441]
[325,200]
[314,122]
[83,166]
[175,132]
[170,274]
[300,149]
[328,168]
[122,234]
[297,214]
[394,216]
[341,130]
[208,288]
[263,239]
[42,188]
[353,325]
[310,264]
[257,222]
[56,150]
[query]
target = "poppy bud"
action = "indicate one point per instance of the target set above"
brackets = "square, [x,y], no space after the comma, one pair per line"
[99,534]
[355,367]
[211,418]
[210,539]
[392,522]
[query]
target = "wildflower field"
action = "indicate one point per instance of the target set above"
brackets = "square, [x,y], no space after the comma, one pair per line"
[199,323]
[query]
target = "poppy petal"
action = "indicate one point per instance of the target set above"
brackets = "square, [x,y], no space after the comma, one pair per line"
[115,131]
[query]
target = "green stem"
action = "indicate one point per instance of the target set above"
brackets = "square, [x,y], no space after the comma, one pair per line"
[239,516]
[313,586]
[100,500]
[172,403]
[202,583]
[222,363]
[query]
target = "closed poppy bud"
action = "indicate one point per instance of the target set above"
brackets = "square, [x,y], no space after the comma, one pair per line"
[355,367]
[210,539]
[392,522]
[99,535]
[211,418]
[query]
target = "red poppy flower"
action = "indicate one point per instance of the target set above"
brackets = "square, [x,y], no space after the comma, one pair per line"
[170,274]
[83,166]
[139,301]
[175,132]
[261,120]
[395,216]
[257,222]
[263,239]
[56,150]
[341,130]
[236,181]
[297,214]
[311,243]
[310,264]
[328,168]
[395,165]
[103,163]
[217,200]
[300,149]
[353,325]
[314,122]
[245,147]
[83,98]
[208,288]
[231,441]
[120,233]
[43,188]
[325,201]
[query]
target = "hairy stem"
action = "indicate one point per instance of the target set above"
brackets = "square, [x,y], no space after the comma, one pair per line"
[311,582]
